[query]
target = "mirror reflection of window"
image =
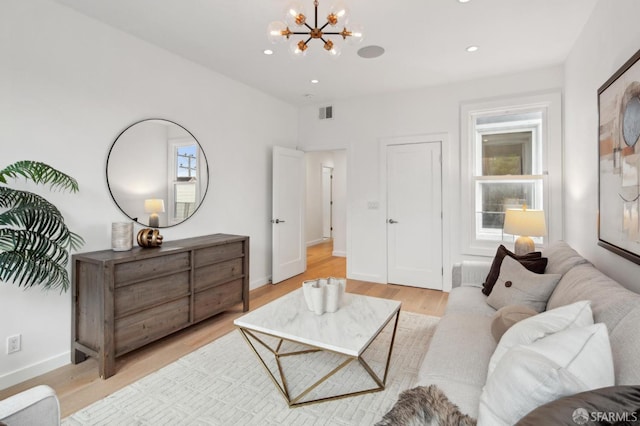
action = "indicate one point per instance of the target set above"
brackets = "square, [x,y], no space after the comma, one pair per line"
[185,167]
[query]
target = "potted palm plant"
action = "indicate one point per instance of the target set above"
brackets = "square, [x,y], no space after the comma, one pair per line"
[34,239]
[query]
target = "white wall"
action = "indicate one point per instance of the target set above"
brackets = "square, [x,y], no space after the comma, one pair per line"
[608,40]
[313,224]
[69,86]
[360,124]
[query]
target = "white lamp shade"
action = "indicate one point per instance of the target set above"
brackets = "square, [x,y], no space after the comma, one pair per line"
[522,222]
[154,205]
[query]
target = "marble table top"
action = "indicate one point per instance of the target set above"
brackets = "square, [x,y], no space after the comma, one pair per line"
[348,331]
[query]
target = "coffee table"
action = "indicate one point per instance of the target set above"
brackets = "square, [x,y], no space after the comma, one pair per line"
[347,332]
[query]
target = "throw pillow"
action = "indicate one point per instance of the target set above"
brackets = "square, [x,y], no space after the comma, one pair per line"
[610,404]
[529,330]
[532,261]
[528,376]
[424,405]
[518,286]
[506,317]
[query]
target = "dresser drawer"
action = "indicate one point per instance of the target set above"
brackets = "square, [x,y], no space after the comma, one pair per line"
[208,255]
[152,292]
[211,301]
[136,330]
[146,268]
[207,276]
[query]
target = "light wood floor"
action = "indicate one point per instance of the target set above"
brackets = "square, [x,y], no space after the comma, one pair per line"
[79,385]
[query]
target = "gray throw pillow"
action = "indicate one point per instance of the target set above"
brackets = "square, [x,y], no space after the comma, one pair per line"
[618,405]
[507,316]
[518,286]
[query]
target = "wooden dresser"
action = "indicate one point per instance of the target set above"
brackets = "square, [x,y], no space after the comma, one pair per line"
[124,300]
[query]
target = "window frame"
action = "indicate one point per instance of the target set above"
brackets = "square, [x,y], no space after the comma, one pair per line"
[549,150]
[174,144]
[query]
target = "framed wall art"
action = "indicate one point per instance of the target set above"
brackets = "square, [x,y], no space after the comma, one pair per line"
[619,161]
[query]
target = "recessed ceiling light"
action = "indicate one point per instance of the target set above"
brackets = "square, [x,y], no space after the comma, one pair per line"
[314,81]
[472,48]
[464,1]
[268,52]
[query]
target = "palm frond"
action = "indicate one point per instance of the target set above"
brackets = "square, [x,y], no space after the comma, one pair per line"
[39,173]
[38,245]
[10,197]
[34,239]
[27,271]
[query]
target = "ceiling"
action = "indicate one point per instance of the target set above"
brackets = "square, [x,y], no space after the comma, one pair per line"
[425,41]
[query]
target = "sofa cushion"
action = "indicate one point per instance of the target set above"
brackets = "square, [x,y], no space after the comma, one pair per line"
[625,345]
[468,300]
[571,361]
[610,302]
[506,317]
[458,356]
[623,401]
[532,261]
[518,286]
[540,326]
[561,257]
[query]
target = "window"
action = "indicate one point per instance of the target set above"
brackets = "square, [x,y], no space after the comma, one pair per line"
[506,146]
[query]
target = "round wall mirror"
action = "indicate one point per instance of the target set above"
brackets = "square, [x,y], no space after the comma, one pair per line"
[157,173]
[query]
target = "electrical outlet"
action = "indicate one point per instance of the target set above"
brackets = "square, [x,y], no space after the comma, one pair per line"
[14,343]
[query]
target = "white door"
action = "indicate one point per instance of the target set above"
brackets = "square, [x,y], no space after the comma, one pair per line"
[289,252]
[414,215]
[327,202]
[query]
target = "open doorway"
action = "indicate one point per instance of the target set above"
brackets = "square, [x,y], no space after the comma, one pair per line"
[326,209]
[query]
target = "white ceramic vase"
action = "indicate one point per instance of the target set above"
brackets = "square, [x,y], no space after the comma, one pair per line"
[306,290]
[318,299]
[333,296]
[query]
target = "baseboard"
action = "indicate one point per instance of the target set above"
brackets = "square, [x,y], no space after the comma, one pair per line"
[338,253]
[315,242]
[34,370]
[366,277]
[259,283]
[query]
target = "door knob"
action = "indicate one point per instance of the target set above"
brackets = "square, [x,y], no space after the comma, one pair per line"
[277,221]
[391,221]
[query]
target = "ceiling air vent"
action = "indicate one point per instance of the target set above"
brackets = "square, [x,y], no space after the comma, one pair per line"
[325,113]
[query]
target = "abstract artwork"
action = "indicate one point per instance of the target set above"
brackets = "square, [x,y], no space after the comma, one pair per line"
[619,161]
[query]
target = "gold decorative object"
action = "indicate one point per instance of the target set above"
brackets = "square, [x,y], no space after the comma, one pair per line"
[148,237]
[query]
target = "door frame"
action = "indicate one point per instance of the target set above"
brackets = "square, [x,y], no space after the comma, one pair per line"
[443,138]
[348,198]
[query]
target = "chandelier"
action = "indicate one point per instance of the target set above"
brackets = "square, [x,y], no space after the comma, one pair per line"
[296,18]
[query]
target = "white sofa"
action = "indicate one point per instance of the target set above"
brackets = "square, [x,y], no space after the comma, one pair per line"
[37,406]
[458,356]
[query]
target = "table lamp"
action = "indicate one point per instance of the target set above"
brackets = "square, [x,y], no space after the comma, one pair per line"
[153,206]
[526,224]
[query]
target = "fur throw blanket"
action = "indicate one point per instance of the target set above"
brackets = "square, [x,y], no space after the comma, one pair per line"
[422,406]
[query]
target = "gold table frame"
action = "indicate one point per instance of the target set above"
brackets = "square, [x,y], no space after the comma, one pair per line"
[294,401]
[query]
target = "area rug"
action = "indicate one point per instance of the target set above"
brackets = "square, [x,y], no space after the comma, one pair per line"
[223,383]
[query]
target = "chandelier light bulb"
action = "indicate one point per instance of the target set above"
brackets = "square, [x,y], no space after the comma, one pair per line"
[276,32]
[335,51]
[295,14]
[298,48]
[356,34]
[340,11]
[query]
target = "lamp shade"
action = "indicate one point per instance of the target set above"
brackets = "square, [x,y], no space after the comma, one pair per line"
[524,222]
[154,205]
